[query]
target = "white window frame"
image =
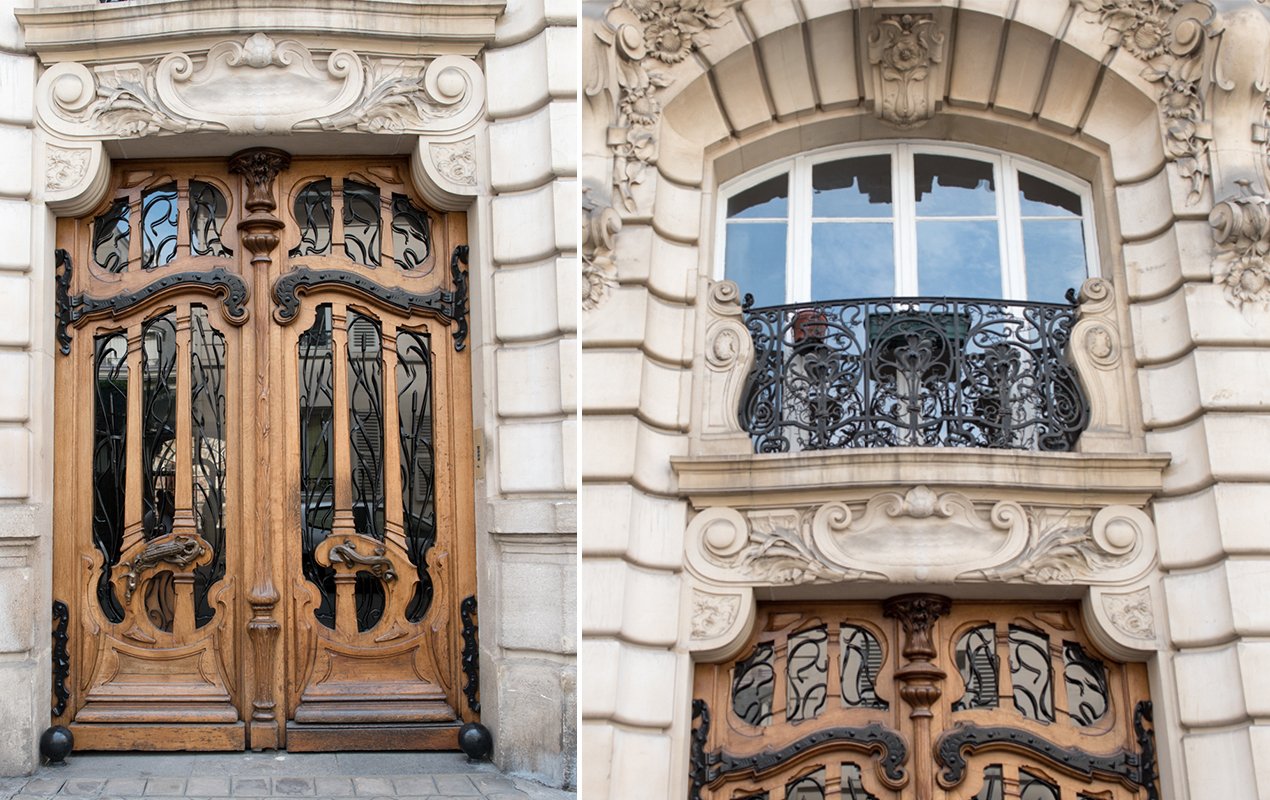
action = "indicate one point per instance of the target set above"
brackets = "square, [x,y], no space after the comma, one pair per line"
[1005,166]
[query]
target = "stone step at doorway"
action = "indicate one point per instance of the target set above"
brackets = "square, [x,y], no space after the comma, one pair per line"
[156,776]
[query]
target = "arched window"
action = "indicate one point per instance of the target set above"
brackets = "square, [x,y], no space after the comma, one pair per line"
[905,219]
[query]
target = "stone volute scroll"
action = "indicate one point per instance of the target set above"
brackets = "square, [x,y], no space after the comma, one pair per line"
[1105,374]
[722,371]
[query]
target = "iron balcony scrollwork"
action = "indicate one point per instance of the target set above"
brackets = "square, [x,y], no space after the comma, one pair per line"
[72,308]
[706,767]
[1133,769]
[471,655]
[452,306]
[61,659]
[913,372]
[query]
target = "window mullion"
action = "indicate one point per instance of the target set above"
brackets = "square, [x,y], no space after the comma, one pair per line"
[1013,270]
[906,282]
[798,278]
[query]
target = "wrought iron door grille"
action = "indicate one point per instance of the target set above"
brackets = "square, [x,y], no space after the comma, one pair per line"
[916,371]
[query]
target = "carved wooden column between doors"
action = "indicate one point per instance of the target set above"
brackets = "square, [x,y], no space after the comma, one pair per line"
[259,234]
[920,677]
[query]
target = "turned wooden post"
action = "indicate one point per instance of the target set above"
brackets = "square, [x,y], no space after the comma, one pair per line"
[919,678]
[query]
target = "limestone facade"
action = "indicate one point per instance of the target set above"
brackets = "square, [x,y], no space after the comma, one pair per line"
[485,106]
[1162,108]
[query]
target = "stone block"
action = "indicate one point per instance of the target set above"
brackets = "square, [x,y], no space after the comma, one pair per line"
[974,70]
[1249,580]
[595,750]
[695,115]
[563,116]
[619,388]
[646,677]
[514,318]
[516,78]
[739,81]
[569,454]
[1219,764]
[521,151]
[19,735]
[664,395]
[529,457]
[1152,266]
[1214,322]
[17,84]
[520,20]
[1189,471]
[767,17]
[532,709]
[833,62]
[606,514]
[15,389]
[1145,207]
[567,353]
[670,331]
[652,615]
[1234,380]
[1128,121]
[15,231]
[672,269]
[627,449]
[1071,83]
[1161,328]
[560,12]
[18,146]
[17,615]
[1195,249]
[568,293]
[621,320]
[785,68]
[678,211]
[1197,674]
[1259,742]
[566,204]
[528,380]
[539,583]
[1254,666]
[1023,70]
[15,310]
[1170,393]
[641,766]
[1199,608]
[1241,511]
[525,225]
[15,467]
[562,62]
[598,660]
[1238,444]
[1189,530]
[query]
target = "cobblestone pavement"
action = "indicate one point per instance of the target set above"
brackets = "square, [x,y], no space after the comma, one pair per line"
[411,776]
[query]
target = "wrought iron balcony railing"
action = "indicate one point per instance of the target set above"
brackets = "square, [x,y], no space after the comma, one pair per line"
[913,372]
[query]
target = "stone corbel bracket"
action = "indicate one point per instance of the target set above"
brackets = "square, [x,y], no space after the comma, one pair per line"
[1097,349]
[721,372]
[1241,235]
[906,64]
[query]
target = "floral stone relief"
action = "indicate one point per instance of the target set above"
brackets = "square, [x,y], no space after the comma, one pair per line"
[260,86]
[904,50]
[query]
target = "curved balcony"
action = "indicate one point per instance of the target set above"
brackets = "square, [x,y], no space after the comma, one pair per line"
[913,371]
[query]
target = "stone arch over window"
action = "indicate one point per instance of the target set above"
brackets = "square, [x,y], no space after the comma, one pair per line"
[1082,89]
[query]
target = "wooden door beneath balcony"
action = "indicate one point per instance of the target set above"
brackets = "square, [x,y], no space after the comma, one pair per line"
[921,698]
[263,511]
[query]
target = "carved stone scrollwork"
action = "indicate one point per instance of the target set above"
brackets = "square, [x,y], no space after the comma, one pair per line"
[456,161]
[1241,233]
[306,90]
[728,360]
[600,225]
[905,51]
[65,167]
[1097,350]
[1131,613]
[713,614]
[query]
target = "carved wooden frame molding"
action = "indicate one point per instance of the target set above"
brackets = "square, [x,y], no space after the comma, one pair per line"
[257,85]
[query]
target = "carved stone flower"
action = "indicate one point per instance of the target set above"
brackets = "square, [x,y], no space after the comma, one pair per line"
[640,107]
[907,53]
[1149,39]
[667,41]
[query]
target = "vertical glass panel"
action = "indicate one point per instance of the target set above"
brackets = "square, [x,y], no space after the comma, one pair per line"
[414,411]
[852,259]
[958,259]
[410,239]
[993,784]
[756,260]
[158,226]
[952,186]
[752,683]
[861,663]
[767,200]
[317,401]
[1032,674]
[1054,251]
[361,223]
[158,421]
[807,673]
[366,424]
[111,234]
[208,212]
[1034,787]
[853,187]
[1086,679]
[808,787]
[977,661]
[110,429]
[1038,198]
[853,783]
[313,213]
[207,408]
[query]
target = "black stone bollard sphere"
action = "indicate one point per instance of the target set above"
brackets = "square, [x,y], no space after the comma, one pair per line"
[56,744]
[476,741]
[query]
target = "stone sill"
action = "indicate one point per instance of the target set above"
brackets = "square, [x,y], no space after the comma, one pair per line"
[790,478]
[136,28]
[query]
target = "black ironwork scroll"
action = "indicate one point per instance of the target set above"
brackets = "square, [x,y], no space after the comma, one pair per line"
[471,655]
[1148,770]
[913,372]
[65,272]
[448,305]
[966,738]
[72,308]
[61,659]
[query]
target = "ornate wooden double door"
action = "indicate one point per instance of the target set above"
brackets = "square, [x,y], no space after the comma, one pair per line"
[263,532]
[921,698]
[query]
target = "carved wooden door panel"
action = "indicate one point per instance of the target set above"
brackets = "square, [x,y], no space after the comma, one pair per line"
[919,698]
[263,503]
